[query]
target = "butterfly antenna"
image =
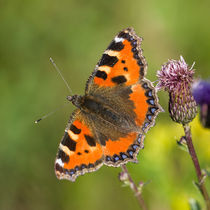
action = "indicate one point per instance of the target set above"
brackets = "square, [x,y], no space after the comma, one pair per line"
[58,70]
[155,81]
[50,113]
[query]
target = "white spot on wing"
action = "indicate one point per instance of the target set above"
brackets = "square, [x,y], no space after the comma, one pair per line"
[59,162]
[117,39]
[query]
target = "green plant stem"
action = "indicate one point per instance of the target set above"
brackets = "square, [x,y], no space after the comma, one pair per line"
[193,155]
[134,188]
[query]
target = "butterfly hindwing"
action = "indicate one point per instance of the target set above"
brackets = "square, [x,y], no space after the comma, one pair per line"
[144,110]
[123,150]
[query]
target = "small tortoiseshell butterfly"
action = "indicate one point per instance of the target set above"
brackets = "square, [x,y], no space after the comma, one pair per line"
[118,108]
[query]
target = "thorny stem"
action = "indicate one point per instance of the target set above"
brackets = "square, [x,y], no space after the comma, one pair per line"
[196,165]
[134,188]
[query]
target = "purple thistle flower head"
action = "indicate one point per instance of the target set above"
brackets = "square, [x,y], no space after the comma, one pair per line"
[174,75]
[201,92]
[176,78]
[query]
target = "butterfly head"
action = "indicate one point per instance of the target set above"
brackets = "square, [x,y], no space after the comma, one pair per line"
[75,99]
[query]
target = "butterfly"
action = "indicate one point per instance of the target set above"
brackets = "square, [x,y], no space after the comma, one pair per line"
[111,119]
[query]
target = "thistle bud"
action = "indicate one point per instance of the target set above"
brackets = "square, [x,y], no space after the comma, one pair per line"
[176,78]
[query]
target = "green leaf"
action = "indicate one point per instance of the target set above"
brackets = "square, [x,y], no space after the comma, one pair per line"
[194,205]
[197,186]
[182,146]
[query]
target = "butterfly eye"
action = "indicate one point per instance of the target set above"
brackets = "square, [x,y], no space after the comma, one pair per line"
[69,98]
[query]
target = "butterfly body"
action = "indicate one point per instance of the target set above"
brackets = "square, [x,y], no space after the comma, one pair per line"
[118,108]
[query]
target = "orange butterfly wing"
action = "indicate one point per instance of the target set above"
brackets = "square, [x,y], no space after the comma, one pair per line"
[79,152]
[121,63]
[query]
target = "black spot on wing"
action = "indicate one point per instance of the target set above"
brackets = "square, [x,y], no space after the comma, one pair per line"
[116,46]
[101,74]
[63,156]
[148,93]
[123,34]
[145,86]
[123,156]
[130,152]
[149,117]
[58,168]
[108,158]
[153,109]
[142,71]
[72,172]
[74,129]
[83,166]
[119,79]
[116,158]
[108,60]
[140,62]
[90,140]
[91,165]
[134,43]
[70,143]
[151,101]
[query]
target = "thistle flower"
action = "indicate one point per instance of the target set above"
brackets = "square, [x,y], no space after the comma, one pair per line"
[176,78]
[201,93]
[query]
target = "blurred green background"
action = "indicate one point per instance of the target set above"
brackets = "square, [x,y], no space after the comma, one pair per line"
[75,34]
